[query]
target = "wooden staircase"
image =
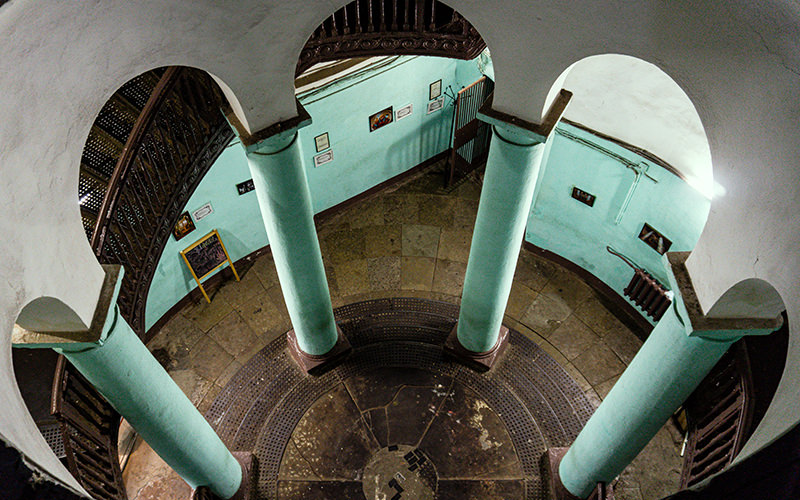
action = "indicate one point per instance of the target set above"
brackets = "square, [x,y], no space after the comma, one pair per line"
[147,151]
[106,141]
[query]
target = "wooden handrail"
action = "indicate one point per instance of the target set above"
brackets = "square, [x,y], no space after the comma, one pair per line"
[89,429]
[129,153]
[390,30]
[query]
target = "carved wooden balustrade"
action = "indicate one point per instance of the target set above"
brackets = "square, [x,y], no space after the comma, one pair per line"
[147,151]
[89,428]
[177,137]
[391,27]
[719,414]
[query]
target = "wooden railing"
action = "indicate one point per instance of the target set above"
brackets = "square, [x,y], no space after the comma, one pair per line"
[173,131]
[177,137]
[719,414]
[391,27]
[89,427]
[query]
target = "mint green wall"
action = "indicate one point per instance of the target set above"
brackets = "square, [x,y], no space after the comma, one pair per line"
[362,159]
[580,233]
[237,218]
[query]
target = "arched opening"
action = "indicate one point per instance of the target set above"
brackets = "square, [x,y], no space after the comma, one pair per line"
[626,178]
[148,149]
[635,102]
[732,401]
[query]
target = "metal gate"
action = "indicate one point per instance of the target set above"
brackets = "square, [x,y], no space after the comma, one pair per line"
[470,136]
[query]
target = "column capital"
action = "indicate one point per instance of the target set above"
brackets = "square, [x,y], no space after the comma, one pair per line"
[277,130]
[102,320]
[538,132]
[711,328]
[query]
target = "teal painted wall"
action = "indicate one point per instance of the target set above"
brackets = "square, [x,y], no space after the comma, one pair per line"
[237,218]
[581,233]
[361,159]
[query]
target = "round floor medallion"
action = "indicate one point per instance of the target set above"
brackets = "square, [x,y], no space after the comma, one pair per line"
[399,419]
[399,471]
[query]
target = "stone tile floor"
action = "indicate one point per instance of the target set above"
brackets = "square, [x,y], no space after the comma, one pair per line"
[411,241]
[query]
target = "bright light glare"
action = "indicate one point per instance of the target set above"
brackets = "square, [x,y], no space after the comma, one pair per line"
[718,191]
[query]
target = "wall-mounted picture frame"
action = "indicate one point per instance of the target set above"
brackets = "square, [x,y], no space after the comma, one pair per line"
[582,196]
[183,226]
[654,239]
[321,142]
[381,119]
[323,158]
[245,187]
[436,105]
[203,212]
[404,112]
[435,90]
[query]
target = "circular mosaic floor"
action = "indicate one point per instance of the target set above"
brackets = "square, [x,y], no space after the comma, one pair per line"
[398,419]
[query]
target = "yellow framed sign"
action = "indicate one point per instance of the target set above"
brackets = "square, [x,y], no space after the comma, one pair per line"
[205,256]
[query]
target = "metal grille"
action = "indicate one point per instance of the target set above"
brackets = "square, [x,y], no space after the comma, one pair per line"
[89,429]
[535,398]
[719,412]
[52,434]
[471,136]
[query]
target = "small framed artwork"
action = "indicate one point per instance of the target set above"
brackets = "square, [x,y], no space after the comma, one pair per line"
[245,187]
[583,196]
[321,142]
[435,90]
[323,158]
[202,212]
[381,119]
[654,239]
[435,105]
[404,111]
[183,227]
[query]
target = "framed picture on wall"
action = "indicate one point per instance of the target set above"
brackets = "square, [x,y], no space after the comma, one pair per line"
[321,142]
[381,119]
[654,239]
[183,226]
[404,111]
[436,105]
[435,90]
[323,158]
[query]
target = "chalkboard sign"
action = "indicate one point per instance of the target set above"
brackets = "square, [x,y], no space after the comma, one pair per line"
[205,256]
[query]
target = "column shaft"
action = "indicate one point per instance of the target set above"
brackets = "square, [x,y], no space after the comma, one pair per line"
[281,185]
[130,378]
[511,173]
[665,371]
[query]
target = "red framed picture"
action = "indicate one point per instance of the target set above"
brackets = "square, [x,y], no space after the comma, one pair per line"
[381,119]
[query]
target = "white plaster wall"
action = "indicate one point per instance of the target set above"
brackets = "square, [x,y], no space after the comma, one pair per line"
[634,101]
[738,61]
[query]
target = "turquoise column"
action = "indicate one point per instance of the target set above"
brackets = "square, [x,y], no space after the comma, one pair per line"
[668,367]
[508,185]
[279,176]
[130,378]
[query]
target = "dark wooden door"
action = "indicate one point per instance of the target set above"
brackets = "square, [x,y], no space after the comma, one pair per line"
[470,135]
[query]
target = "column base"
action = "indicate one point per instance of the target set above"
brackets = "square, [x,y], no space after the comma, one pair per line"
[249,487]
[553,457]
[479,361]
[316,365]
